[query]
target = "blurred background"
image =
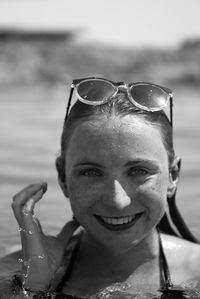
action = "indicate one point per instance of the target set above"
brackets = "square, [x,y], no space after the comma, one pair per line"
[46,43]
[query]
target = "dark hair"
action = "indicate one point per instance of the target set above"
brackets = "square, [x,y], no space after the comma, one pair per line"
[120,106]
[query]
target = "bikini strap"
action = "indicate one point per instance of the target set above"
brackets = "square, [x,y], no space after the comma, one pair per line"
[164,265]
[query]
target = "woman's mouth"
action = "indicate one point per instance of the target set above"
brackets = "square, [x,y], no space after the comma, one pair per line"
[118,223]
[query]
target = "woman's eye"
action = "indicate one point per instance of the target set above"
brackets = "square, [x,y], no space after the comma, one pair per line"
[90,172]
[138,171]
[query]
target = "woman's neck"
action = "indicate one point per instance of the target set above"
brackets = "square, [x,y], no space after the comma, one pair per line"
[118,259]
[97,267]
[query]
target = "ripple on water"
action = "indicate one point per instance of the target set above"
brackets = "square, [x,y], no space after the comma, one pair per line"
[122,291]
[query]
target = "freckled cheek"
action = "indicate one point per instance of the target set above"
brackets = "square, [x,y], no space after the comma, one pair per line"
[153,196]
[83,195]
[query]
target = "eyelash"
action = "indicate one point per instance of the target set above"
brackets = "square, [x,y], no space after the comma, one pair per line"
[138,171]
[92,172]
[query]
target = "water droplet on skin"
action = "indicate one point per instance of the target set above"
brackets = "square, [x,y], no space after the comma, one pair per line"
[27,208]
[25,293]
[20,260]
[27,266]
[25,212]
[41,256]
[29,232]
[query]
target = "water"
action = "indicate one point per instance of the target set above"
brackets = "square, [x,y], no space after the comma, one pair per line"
[115,291]
[31,121]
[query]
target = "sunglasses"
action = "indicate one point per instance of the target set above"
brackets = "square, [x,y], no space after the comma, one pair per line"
[143,95]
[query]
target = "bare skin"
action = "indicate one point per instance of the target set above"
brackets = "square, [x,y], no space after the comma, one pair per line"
[41,254]
[105,181]
[140,274]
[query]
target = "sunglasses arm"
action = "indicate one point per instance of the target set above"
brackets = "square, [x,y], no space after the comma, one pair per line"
[69,101]
[171,111]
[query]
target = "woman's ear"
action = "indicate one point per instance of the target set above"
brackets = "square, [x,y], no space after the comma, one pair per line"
[174,177]
[61,175]
[63,187]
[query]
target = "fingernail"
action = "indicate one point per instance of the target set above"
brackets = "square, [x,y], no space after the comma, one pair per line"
[44,187]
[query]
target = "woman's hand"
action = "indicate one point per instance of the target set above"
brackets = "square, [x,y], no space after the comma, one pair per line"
[42,254]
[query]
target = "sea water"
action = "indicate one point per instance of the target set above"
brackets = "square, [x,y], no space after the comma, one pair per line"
[118,291]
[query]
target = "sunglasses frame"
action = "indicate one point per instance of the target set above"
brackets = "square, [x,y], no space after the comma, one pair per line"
[116,87]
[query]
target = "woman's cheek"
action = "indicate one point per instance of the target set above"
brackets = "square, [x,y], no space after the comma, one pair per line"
[153,197]
[83,193]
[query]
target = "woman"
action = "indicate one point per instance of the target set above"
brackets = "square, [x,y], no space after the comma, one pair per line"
[119,170]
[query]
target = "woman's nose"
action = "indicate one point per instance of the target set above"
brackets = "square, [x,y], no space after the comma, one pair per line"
[118,196]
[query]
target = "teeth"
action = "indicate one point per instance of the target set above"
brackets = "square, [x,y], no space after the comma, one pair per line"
[117,220]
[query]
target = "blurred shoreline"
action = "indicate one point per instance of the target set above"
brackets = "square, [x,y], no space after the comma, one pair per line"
[49,58]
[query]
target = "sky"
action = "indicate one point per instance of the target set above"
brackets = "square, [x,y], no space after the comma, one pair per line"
[123,22]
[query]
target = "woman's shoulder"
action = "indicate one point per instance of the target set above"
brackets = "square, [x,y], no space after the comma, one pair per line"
[182,256]
[174,244]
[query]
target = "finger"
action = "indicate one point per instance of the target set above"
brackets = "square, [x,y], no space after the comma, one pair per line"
[29,225]
[30,228]
[29,205]
[21,197]
[32,240]
[24,202]
[31,233]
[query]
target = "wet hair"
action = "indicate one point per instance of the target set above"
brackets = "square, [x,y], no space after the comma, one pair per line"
[120,106]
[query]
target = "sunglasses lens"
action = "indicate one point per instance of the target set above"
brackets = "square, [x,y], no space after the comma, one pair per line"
[149,96]
[95,90]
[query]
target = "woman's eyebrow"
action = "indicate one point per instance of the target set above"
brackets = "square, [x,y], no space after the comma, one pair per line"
[85,163]
[130,163]
[139,161]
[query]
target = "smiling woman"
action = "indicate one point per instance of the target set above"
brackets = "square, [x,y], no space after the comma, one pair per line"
[118,168]
[130,177]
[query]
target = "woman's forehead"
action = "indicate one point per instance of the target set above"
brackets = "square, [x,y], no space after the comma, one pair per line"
[115,135]
[112,121]
[116,125]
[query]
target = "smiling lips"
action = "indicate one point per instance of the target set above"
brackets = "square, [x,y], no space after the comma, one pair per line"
[118,223]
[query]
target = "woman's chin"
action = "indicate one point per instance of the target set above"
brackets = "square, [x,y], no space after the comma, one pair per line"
[119,236]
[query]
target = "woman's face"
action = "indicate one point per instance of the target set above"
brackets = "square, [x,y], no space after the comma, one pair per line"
[117,179]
